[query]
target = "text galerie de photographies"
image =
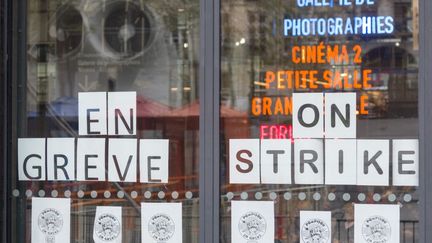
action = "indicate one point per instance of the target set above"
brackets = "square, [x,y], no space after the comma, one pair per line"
[325,150]
[100,114]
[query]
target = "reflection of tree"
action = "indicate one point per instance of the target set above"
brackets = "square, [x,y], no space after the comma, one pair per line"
[242,70]
[181,19]
[190,8]
[49,24]
[394,91]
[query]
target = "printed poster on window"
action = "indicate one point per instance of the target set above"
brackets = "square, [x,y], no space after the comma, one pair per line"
[252,221]
[50,220]
[108,225]
[161,223]
[376,223]
[315,227]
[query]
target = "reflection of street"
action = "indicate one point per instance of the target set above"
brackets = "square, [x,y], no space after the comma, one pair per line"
[150,47]
[253,45]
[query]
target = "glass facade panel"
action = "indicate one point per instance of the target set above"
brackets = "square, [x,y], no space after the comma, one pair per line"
[273,49]
[75,47]
[318,134]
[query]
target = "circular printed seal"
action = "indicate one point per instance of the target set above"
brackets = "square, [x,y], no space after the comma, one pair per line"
[315,231]
[161,227]
[252,226]
[50,221]
[107,227]
[376,229]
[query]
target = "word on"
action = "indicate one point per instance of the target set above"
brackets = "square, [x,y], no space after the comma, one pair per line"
[339,120]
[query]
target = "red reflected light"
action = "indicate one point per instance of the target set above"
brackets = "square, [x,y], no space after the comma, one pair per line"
[276,131]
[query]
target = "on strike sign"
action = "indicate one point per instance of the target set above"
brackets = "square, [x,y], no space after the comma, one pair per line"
[325,150]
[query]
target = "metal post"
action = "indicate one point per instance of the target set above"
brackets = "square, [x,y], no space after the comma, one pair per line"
[425,118]
[4,15]
[209,120]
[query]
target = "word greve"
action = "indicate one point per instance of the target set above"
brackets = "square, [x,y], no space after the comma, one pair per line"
[97,158]
[324,150]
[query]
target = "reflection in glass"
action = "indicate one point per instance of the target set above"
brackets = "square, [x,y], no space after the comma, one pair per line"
[253,43]
[150,47]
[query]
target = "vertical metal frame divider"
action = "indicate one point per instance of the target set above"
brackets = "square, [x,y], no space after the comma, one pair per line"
[209,81]
[18,98]
[14,76]
[5,112]
[425,119]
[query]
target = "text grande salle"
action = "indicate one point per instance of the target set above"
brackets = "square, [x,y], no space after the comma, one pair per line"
[273,106]
[308,79]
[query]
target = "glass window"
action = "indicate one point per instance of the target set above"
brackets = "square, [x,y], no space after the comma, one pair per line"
[75,47]
[270,51]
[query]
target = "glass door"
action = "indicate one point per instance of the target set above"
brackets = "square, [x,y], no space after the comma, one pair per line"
[105,144]
[319,121]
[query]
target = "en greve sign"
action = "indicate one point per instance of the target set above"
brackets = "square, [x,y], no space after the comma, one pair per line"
[84,158]
[324,150]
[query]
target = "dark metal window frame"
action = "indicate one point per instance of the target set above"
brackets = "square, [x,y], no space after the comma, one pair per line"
[209,133]
[209,120]
[5,113]
[209,82]
[425,119]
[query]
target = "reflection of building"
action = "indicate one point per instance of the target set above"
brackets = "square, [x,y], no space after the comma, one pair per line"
[70,52]
[394,62]
[62,47]
[253,43]
[395,80]
[150,47]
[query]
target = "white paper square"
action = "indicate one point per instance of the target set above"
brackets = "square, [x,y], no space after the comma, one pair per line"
[92,113]
[94,149]
[61,159]
[405,162]
[311,150]
[340,161]
[252,221]
[31,159]
[122,159]
[311,108]
[276,161]
[334,126]
[315,226]
[108,225]
[376,223]
[154,160]
[125,104]
[244,162]
[376,174]
[50,219]
[161,222]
